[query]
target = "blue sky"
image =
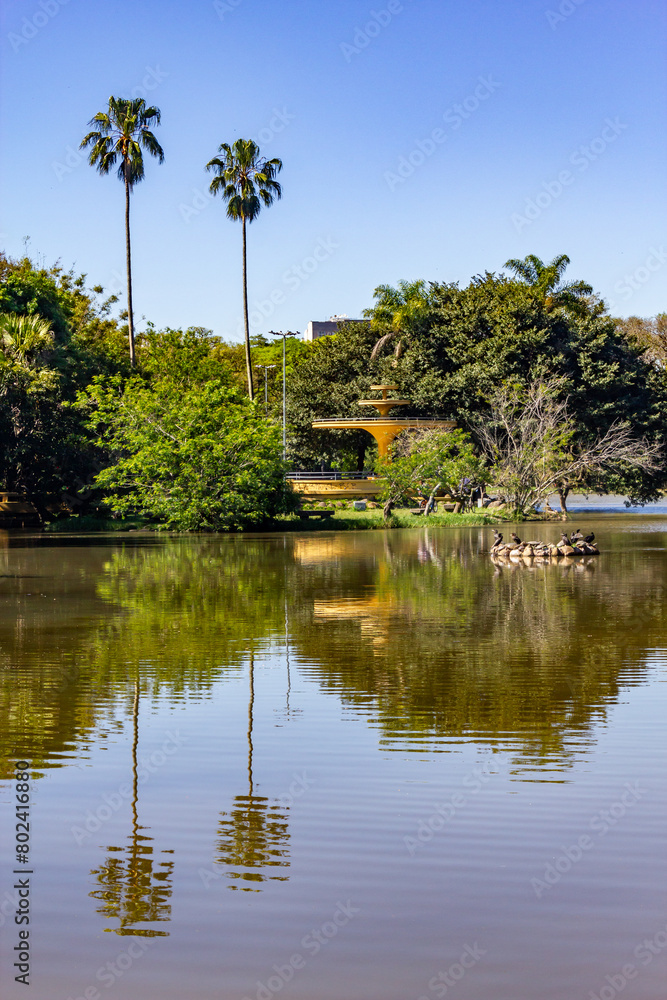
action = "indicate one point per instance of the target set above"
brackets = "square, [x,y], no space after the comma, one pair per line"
[420,139]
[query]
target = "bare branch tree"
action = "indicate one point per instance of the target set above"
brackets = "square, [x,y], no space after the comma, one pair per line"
[532,443]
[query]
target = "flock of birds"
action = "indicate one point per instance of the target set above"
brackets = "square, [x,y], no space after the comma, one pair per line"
[574,545]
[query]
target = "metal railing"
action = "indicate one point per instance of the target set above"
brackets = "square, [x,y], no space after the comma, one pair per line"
[400,420]
[331,475]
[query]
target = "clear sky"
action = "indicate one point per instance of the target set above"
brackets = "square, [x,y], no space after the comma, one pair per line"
[420,139]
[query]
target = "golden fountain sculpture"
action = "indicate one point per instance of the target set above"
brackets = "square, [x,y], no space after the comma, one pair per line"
[383,428]
[350,486]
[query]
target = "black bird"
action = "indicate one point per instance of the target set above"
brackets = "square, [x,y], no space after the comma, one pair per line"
[515,538]
[576,536]
[589,539]
[564,545]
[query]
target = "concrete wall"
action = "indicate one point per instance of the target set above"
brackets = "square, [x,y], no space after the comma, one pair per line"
[325,328]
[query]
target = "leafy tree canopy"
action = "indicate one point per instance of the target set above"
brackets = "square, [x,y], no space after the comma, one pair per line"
[192,457]
[469,342]
[436,461]
[186,358]
[328,382]
[55,335]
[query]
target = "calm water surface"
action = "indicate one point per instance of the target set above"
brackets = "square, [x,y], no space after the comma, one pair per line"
[329,766]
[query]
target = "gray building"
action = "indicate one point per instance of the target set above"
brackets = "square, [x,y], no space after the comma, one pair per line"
[325,328]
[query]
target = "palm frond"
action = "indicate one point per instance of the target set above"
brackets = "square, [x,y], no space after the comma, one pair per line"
[122,132]
[243,179]
[22,338]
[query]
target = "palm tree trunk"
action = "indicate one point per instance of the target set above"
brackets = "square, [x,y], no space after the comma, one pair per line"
[251,705]
[128,260]
[248,361]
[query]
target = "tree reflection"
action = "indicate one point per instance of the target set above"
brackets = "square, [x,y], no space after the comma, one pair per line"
[135,887]
[420,625]
[254,834]
[446,645]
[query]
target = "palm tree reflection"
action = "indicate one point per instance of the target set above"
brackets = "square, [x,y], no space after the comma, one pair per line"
[135,887]
[254,835]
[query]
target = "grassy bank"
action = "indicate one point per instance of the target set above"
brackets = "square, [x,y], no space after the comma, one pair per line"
[365,520]
[344,519]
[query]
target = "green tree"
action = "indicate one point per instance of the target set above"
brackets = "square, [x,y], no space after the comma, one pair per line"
[246,182]
[436,461]
[650,335]
[545,280]
[328,382]
[187,358]
[37,429]
[398,314]
[23,338]
[497,330]
[26,290]
[194,457]
[56,334]
[122,133]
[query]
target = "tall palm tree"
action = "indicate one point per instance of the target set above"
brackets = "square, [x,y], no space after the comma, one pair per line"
[546,280]
[122,132]
[397,313]
[246,182]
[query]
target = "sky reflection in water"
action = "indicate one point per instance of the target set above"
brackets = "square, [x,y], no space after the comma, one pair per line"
[385,722]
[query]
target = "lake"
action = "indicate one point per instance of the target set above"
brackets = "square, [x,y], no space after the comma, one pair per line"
[333,766]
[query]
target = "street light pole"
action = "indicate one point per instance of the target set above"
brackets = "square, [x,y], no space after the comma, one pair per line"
[273,333]
[266,385]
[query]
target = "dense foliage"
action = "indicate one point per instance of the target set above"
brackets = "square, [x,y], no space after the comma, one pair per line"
[463,344]
[77,421]
[55,336]
[190,458]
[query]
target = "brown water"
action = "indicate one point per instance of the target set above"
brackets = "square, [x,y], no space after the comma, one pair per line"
[331,766]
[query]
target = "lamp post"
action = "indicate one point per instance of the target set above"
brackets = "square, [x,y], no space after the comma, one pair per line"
[266,385]
[274,333]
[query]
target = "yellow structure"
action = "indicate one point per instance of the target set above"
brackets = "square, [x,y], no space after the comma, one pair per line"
[320,488]
[16,511]
[383,428]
